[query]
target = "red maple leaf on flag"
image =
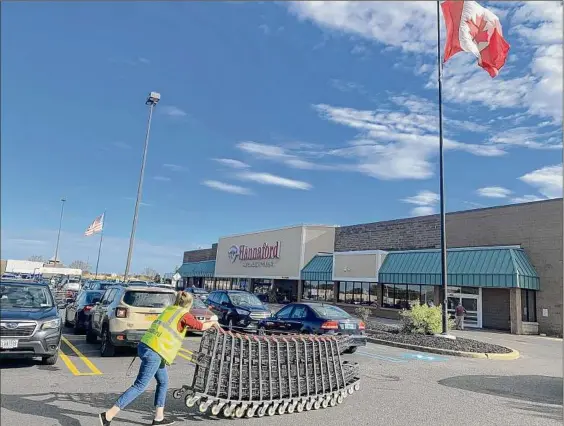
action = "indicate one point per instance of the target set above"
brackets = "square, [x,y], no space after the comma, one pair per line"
[478,30]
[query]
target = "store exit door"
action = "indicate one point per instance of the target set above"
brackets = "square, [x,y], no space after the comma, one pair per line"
[471,299]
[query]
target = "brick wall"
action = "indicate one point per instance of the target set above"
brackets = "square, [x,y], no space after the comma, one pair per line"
[537,227]
[200,255]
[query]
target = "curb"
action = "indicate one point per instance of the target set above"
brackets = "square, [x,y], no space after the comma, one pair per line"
[478,355]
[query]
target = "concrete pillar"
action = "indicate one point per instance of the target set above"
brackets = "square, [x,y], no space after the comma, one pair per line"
[437,295]
[515,313]
[336,291]
[300,290]
[379,294]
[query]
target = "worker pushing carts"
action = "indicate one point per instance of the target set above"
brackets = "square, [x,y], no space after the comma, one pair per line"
[242,375]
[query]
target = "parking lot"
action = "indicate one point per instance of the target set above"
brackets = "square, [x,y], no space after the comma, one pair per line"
[399,387]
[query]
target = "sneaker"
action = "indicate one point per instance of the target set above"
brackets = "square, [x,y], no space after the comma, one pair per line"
[103,420]
[162,422]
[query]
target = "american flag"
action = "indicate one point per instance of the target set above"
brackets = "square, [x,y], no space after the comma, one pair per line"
[96,226]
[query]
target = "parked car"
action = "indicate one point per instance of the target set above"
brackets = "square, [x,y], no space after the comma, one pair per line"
[97,285]
[237,310]
[201,311]
[30,323]
[198,292]
[124,314]
[77,313]
[316,318]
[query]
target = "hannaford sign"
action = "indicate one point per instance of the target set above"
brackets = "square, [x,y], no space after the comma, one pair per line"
[255,257]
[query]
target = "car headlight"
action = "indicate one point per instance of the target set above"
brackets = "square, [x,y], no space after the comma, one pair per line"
[54,323]
[242,312]
[213,318]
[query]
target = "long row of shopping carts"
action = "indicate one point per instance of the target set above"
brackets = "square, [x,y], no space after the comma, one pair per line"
[243,375]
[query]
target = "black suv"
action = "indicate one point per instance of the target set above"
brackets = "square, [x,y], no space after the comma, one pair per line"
[237,310]
[30,323]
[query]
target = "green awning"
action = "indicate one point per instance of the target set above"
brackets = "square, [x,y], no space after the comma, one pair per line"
[502,267]
[320,268]
[197,269]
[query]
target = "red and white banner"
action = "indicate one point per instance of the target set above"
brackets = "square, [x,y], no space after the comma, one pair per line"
[473,28]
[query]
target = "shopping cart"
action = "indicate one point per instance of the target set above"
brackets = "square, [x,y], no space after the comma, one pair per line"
[242,375]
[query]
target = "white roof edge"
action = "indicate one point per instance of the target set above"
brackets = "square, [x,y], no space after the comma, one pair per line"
[277,229]
[514,246]
[358,252]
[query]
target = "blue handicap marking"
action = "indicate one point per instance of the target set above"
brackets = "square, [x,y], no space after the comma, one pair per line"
[423,357]
[380,357]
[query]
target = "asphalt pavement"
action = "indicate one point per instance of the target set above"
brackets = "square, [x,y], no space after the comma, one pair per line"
[398,387]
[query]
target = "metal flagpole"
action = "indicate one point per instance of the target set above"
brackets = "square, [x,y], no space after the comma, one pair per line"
[100,246]
[442,177]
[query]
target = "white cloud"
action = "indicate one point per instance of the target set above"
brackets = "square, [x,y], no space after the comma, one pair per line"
[529,137]
[395,145]
[225,187]
[269,179]
[229,162]
[526,199]
[494,192]
[547,180]
[175,167]
[173,111]
[425,201]
[161,178]
[348,86]
[409,26]
[295,158]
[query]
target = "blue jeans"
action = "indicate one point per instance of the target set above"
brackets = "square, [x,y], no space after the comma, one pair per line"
[152,365]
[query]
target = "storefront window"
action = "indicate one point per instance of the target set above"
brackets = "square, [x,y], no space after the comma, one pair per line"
[413,295]
[402,296]
[358,293]
[529,305]
[209,284]
[318,290]
[342,291]
[428,294]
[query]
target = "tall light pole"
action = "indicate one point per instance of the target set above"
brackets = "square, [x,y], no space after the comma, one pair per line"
[63,200]
[152,101]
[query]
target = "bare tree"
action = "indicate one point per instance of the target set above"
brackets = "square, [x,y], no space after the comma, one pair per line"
[149,272]
[80,264]
[36,258]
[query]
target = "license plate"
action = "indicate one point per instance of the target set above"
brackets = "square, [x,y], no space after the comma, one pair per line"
[151,317]
[349,326]
[8,343]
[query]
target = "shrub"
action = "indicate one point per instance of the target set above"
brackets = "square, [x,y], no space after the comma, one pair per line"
[423,319]
[363,313]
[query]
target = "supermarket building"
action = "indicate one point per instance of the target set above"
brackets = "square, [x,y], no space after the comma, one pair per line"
[504,265]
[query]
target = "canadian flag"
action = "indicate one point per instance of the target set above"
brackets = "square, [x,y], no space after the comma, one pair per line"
[473,28]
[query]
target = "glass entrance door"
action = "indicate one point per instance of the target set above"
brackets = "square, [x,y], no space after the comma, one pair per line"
[471,299]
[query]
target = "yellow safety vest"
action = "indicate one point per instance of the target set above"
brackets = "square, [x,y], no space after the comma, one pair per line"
[163,336]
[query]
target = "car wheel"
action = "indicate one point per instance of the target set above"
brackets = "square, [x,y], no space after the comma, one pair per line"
[76,328]
[91,335]
[351,350]
[50,360]
[107,348]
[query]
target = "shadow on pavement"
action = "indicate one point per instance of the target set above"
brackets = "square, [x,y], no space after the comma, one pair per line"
[12,363]
[537,410]
[536,389]
[50,406]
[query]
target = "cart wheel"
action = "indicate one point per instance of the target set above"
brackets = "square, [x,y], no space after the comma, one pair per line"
[240,411]
[317,405]
[333,401]
[300,407]
[216,409]
[309,405]
[340,399]
[203,407]
[357,387]
[228,411]
[272,410]
[282,408]
[325,403]
[177,394]
[262,411]
[251,412]
[190,401]
[351,390]
[292,407]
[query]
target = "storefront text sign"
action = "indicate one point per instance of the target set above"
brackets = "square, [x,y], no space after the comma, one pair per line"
[255,257]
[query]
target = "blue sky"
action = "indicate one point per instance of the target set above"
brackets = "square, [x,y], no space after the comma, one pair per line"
[272,114]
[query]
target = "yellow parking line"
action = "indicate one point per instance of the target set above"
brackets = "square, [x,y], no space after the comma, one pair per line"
[186,351]
[94,370]
[72,368]
[184,356]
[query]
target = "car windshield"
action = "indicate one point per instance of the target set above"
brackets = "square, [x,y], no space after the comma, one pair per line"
[148,299]
[92,297]
[103,286]
[23,296]
[245,299]
[198,304]
[330,312]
